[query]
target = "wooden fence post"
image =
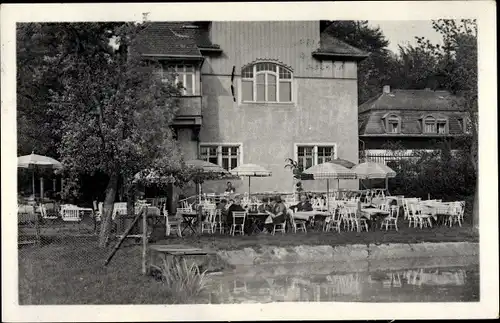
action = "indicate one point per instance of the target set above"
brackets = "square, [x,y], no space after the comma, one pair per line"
[144,241]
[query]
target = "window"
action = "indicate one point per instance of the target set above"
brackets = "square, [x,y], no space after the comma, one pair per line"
[183,74]
[226,156]
[430,125]
[393,124]
[313,154]
[435,126]
[266,82]
[441,127]
[463,125]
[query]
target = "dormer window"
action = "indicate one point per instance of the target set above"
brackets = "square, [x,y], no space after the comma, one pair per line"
[266,82]
[432,125]
[392,123]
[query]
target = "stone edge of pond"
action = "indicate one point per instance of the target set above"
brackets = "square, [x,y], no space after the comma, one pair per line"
[328,253]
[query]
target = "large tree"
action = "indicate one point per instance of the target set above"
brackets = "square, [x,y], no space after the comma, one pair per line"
[114,111]
[457,71]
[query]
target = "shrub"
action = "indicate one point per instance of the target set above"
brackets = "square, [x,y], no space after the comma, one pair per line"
[183,281]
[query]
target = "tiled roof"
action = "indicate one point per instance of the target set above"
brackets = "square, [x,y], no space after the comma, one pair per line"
[411,100]
[174,38]
[336,47]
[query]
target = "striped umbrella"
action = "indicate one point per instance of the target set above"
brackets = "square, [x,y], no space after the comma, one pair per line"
[330,171]
[369,170]
[37,161]
[343,162]
[250,170]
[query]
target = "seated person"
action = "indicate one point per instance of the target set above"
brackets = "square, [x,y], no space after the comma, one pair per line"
[265,206]
[222,206]
[303,205]
[235,206]
[277,215]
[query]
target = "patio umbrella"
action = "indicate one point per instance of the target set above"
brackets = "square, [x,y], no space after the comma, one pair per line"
[330,171]
[34,161]
[343,162]
[205,170]
[369,170]
[250,170]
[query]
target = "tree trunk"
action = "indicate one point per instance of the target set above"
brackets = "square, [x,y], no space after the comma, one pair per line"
[108,210]
[475,207]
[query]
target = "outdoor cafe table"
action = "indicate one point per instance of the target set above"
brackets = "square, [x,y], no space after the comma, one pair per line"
[374,214]
[439,211]
[310,215]
[257,219]
[188,218]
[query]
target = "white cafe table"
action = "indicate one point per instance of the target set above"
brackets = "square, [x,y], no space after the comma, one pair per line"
[369,212]
[307,215]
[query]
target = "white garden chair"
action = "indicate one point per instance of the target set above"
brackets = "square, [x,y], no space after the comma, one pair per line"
[238,222]
[218,223]
[297,225]
[334,220]
[172,223]
[422,219]
[392,219]
[70,213]
[209,223]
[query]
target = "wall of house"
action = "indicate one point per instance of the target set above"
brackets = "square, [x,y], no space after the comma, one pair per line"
[325,112]
[324,108]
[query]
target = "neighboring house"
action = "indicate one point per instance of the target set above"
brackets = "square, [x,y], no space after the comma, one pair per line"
[417,119]
[260,92]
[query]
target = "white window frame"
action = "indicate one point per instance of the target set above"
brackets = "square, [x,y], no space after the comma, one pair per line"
[315,146]
[389,118]
[180,76]
[279,80]
[219,146]
[437,120]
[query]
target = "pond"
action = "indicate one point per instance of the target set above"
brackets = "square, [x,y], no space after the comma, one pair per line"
[399,280]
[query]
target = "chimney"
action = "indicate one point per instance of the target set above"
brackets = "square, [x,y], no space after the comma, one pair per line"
[386,89]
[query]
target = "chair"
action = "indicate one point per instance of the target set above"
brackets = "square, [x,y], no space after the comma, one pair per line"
[281,227]
[392,219]
[334,220]
[171,223]
[218,223]
[209,223]
[45,213]
[238,222]
[298,224]
[421,219]
[71,213]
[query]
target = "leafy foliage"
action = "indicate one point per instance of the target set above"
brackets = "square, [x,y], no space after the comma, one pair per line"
[444,174]
[111,112]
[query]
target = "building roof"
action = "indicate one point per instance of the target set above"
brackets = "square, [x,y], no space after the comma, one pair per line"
[182,39]
[334,47]
[410,106]
[412,100]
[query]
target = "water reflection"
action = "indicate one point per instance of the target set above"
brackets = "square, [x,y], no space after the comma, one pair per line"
[279,283]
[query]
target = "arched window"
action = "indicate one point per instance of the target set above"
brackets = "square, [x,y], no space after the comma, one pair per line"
[266,82]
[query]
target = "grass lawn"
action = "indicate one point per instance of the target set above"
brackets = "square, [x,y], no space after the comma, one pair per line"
[69,270]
